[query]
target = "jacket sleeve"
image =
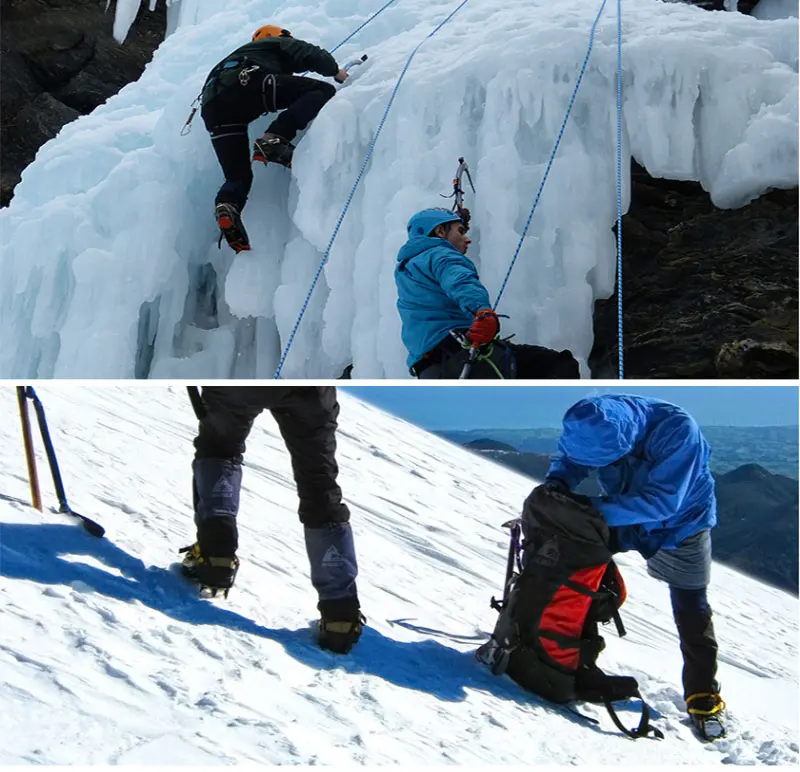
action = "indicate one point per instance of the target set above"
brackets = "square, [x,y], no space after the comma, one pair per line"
[677,448]
[306,56]
[568,472]
[459,281]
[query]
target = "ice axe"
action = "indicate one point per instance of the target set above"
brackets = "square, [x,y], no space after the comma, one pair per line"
[473,353]
[355,62]
[467,368]
[458,191]
[25,393]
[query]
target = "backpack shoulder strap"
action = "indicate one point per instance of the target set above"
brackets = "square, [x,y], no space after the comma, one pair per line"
[597,686]
[644,728]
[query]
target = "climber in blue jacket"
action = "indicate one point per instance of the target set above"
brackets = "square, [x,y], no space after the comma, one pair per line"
[439,293]
[652,463]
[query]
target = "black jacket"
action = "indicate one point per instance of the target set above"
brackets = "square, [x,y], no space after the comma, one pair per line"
[280,56]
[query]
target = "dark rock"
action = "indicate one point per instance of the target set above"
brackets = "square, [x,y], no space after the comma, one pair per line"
[17,85]
[57,53]
[83,93]
[65,49]
[43,118]
[750,358]
[743,6]
[707,292]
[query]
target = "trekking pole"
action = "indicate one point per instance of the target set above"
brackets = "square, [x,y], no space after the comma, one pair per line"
[27,439]
[95,529]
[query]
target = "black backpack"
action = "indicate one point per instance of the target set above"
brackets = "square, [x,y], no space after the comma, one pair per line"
[561,582]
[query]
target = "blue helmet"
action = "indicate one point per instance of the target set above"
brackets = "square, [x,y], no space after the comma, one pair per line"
[422,223]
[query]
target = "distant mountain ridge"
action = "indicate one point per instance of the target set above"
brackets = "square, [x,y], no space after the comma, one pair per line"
[757,527]
[775,448]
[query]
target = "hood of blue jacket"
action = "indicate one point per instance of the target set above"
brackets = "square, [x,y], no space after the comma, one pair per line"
[598,431]
[418,244]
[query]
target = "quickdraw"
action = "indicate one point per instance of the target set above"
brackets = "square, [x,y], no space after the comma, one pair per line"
[187,127]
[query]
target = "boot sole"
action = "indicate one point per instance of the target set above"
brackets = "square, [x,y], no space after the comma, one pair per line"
[237,243]
[267,161]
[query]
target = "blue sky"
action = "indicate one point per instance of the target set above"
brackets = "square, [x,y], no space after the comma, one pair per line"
[513,406]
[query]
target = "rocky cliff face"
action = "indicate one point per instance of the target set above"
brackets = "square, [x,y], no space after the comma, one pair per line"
[59,61]
[707,292]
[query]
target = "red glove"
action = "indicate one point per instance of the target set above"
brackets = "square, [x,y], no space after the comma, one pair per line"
[484,328]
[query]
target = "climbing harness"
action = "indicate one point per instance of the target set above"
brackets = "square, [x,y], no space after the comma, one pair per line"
[358,180]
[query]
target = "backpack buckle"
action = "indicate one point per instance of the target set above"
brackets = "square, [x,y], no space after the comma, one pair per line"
[493,656]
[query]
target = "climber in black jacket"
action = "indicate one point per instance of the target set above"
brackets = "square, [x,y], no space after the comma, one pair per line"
[253,80]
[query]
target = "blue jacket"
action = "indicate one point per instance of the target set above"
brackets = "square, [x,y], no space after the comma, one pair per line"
[652,463]
[438,290]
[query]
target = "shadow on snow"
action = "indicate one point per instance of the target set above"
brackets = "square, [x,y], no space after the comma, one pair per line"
[37,553]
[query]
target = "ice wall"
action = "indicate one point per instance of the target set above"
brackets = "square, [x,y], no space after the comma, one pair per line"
[109,253]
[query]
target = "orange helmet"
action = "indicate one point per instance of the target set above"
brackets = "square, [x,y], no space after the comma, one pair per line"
[271,31]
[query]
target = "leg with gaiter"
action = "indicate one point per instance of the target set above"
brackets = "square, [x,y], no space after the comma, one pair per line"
[687,571]
[217,482]
[693,618]
[211,560]
[307,419]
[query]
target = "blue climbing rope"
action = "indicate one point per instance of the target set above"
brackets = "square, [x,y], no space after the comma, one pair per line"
[619,185]
[552,155]
[358,29]
[355,184]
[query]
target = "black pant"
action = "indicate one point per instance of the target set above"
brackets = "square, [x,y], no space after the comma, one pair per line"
[228,115]
[307,419]
[692,614]
[513,360]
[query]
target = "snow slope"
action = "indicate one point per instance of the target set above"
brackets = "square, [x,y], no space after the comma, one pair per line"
[106,656]
[108,250]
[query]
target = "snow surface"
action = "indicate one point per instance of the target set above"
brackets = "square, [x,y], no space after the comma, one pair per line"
[107,656]
[109,254]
